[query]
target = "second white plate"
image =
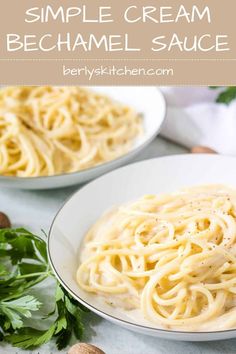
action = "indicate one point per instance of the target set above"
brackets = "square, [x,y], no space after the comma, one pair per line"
[148,101]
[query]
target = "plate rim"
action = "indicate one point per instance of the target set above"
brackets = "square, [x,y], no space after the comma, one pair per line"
[104,314]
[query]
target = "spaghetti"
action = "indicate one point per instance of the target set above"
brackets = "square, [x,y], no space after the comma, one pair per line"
[170,257]
[47,131]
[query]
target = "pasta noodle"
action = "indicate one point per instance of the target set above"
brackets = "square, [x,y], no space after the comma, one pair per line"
[171,258]
[46,131]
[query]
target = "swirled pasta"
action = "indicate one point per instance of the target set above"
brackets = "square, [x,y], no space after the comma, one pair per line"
[49,130]
[170,257]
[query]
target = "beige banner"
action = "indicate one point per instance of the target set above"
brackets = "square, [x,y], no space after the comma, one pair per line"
[38,42]
[219,73]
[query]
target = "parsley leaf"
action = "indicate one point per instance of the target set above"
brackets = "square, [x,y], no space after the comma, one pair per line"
[23,264]
[68,321]
[226,96]
[16,309]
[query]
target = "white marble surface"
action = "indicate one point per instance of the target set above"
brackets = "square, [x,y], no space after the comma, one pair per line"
[35,210]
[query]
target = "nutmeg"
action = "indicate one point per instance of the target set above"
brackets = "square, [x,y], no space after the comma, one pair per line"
[83,348]
[4,221]
[202,150]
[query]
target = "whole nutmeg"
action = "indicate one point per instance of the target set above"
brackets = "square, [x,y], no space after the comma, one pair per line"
[202,150]
[83,348]
[4,221]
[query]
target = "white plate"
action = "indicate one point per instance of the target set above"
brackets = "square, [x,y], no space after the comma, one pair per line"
[149,101]
[159,175]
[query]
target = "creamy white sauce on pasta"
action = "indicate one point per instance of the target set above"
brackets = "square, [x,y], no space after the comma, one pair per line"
[168,260]
[50,130]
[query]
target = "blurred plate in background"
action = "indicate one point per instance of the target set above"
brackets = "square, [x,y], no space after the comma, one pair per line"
[148,101]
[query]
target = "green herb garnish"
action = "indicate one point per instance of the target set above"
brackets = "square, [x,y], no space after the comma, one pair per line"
[23,264]
[226,96]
